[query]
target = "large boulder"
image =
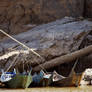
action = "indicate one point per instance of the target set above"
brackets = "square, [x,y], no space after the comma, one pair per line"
[51,40]
[64,35]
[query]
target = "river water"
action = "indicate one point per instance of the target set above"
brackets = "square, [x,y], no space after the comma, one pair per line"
[51,89]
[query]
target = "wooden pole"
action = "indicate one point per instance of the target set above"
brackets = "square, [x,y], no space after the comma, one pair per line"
[23,45]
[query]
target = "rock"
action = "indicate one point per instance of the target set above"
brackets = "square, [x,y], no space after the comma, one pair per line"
[50,35]
[88,74]
[51,40]
[87,77]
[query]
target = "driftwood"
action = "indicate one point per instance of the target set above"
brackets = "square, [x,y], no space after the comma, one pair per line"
[65,59]
[12,53]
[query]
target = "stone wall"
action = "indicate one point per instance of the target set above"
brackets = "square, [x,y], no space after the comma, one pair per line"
[16,13]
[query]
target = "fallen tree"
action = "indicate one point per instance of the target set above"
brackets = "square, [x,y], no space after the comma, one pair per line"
[65,59]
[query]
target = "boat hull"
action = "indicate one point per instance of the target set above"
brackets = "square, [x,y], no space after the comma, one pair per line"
[45,82]
[20,81]
[69,81]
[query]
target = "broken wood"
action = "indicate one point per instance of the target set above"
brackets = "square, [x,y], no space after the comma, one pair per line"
[12,53]
[65,59]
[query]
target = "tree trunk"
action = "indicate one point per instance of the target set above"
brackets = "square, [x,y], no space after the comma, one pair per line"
[64,59]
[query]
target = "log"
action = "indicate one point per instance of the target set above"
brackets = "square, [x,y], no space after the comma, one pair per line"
[64,59]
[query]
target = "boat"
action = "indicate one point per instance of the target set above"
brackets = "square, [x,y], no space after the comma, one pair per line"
[72,80]
[47,79]
[57,77]
[37,78]
[6,76]
[19,81]
[42,79]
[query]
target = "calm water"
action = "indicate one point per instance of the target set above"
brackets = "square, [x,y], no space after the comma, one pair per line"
[69,89]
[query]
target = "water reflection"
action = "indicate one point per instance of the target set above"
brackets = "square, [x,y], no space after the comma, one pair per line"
[51,89]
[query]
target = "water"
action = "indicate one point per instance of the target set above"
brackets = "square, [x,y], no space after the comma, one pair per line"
[51,89]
